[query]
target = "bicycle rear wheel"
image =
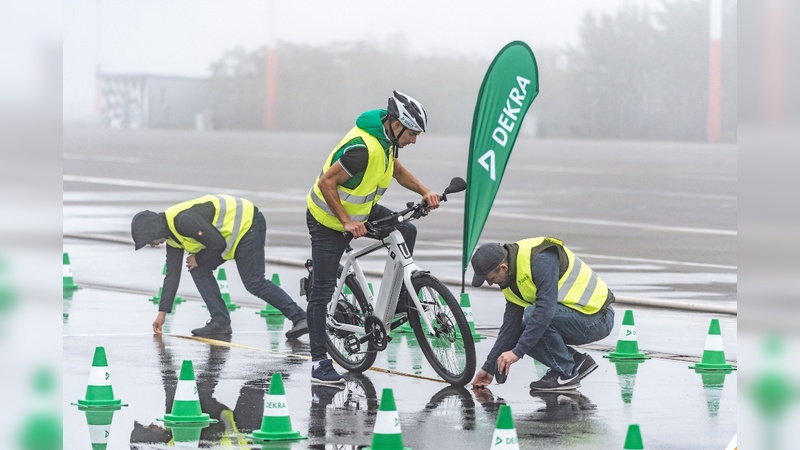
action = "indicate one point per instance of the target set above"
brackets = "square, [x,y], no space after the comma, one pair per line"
[449,347]
[342,345]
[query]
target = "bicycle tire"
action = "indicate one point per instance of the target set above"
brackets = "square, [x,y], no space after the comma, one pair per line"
[350,310]
[451,352]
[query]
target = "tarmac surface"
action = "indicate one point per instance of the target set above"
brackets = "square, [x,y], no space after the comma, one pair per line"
[657,221]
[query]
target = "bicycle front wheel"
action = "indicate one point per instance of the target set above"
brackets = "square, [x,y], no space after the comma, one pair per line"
[343,346]
[449,346]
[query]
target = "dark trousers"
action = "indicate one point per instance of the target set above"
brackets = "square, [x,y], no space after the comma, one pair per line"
[327,248]
[249,259]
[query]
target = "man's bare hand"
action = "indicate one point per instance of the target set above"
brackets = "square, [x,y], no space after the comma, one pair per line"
[191,263]
[357,229]
[159,322]
[432,199]
[482,379]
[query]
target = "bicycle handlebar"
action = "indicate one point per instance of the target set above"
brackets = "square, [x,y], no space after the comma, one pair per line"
[380,228]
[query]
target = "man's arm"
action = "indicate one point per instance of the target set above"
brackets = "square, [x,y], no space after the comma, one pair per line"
[544,270]
[409,181]
[171,280]
[192,223]
[329,186]
[507,336]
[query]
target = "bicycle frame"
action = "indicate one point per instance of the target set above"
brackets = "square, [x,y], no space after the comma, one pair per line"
[398,270]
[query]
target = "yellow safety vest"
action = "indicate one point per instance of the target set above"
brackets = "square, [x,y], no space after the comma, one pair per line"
[358,201]
[579,287]
[233,218]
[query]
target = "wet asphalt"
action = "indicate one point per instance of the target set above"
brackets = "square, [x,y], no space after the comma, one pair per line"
[671,236]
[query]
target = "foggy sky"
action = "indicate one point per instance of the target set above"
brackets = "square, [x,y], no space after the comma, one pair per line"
[182,37]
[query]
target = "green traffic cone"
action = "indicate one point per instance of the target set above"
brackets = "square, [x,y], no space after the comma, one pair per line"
[69,283]
[222,280]
[713,355]
[99,393]
[467,308]
[713,383]
[156,299]
[633,440]
[387,435]
[627,346]
[416,354]
[626,374]
[186,435]
[186,404]
[99,427]
[276,425]
[275,323]
[505,435]
[270,310]
[67,305]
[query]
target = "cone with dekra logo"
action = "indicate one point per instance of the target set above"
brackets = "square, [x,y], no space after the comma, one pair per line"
[386,434]
[68,281]
[99,427]
[276,425]
[713,354]
[626,374]
[99,393]
[633,439]
[222,281]
[270,310]
[505,435]
[186,414]
[466,307]
[627,345]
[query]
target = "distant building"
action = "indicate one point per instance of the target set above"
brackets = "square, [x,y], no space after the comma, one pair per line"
[154,101]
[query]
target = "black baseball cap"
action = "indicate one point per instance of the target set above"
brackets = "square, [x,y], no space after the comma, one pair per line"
[486,258]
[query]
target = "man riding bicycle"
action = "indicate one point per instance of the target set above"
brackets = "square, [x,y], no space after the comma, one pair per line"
[345,195]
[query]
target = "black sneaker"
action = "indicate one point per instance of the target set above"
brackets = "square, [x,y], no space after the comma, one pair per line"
[584,363]
[213,329]
[325,373]
[554,381]
[298,329]
[322,394]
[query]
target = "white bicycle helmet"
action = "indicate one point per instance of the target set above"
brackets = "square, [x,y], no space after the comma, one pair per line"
[408,111]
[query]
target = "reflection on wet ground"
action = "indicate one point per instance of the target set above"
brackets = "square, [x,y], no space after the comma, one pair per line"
[233,378]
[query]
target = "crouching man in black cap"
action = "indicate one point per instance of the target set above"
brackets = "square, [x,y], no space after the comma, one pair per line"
[214,229]
[553,300]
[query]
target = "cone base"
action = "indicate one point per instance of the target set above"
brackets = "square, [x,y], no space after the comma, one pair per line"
[71,287]
[176,420]
[266,313]
[617,356]
[259,435]
[232,306]
[99,405]
[700,367]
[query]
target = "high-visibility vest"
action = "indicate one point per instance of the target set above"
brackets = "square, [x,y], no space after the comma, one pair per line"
[357,201]
[233,217]
[579,287]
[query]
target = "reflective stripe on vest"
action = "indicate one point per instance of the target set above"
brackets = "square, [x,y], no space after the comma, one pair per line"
[357,202]
[579,287]
[233,218]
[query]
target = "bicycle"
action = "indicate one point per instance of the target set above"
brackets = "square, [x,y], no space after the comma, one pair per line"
[359,323]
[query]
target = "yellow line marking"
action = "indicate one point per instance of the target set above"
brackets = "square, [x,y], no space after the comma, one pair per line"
[292,355]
